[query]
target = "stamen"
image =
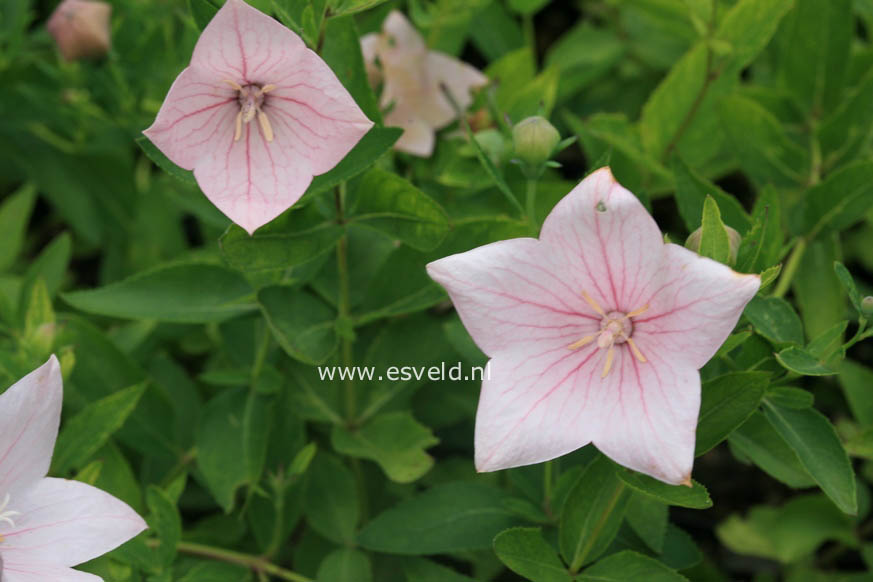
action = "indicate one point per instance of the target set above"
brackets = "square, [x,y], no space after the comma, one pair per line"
[266,89]
[238,132]
[233,84]
[607,366]
[637,353]
[639,311]
[593,304]
[582,342]
[6,516]
[265,125]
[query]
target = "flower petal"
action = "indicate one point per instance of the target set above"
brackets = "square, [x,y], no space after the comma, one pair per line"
[64,523]
[418,136]
[15,572]
[196,117]
[312,112]
[245,45]
[648,415]
[30,412]
[460,79]
[694,307]
[538,402]
[403,39]
[610,240]
[511,293]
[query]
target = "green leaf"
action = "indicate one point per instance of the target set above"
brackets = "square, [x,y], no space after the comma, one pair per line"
[592,513]
[726,403]
[747,28]
[388,203]
[836,203]
[342,52]
[376,143]
[527,7]
[331,499]
[856,381]
[177,292]
[629,565]
[92,427]
[202,11]
[50,266]
[758,441]
[221,453]
[158,157]
[303,324]
[816,51]
[526,552]
[762,245]
[844,133]
[257,426]
[848,284]
[216,572]
[421,570]
[788,397]
[802,362]
[788,533]
[695,497]
[345,565]
[818,447]
[760,143]
[648,518]
[450,517]
[691,193]
[817,291]
[39,321]
[164,521]
[714,240]
[395,440]
[343,7]
[295,238]
[14,218]
[775,319]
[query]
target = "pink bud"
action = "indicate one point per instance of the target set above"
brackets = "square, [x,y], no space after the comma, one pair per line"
[81,28]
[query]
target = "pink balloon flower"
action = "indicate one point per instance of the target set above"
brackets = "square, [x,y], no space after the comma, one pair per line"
[256,115]
[81,28]
[596,333]
[48,525]
[411,76]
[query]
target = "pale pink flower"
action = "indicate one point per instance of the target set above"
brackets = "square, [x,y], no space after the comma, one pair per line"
[48,525]
[411,76]
[596,332]
[81,28]
[256,115]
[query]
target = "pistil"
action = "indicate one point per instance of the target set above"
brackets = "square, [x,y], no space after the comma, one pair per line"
[615,328]
[6,515]
[251,102]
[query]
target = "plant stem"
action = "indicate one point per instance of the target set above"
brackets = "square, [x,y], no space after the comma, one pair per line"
[548,467]
[790,268]
[342,261]
[531,204]
[256,563]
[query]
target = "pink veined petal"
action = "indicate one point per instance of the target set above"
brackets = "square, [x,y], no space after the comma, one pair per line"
[460,79]
[418,136]
[15,572]
[512,294]
[648,414]
[64,523]
[694,307]
[610,240]
[196,117]
[311,111]
[30,413]
[539,402]
[253,181]
[245,45]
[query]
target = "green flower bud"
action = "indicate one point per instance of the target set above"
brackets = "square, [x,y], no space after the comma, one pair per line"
[692,243]
[867,305]
[534,139]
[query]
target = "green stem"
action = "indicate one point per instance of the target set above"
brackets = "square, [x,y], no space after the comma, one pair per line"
[529,34]
[531,205]
[548,468]
[343,307]
[790,268]
[256,563]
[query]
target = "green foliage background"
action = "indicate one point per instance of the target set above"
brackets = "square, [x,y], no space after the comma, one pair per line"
[189,348]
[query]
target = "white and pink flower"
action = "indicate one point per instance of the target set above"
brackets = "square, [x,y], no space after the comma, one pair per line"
[48,525]
[596,332]
[255,115]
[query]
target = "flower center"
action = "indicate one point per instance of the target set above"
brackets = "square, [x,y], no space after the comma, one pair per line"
[251,103]
[616,328]
[6,515]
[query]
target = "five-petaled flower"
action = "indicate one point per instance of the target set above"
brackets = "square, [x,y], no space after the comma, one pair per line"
[596,333]
[48,525]
[256,115]
[412,77]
